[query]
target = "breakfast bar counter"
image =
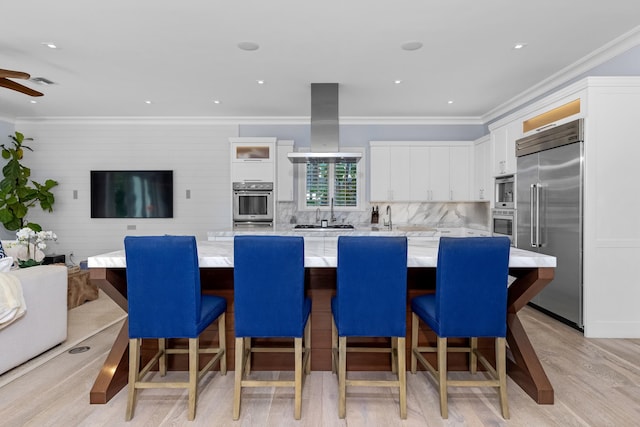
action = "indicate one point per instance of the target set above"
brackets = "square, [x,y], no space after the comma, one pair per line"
[532,272]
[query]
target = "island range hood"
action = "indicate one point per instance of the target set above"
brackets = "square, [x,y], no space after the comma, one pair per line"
[325,130]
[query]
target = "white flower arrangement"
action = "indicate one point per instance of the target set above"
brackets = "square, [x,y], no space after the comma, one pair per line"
[34,243]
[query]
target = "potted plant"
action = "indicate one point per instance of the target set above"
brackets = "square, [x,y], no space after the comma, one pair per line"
[18,193]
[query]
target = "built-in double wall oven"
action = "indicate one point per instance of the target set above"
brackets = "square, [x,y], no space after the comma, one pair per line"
[252,205]
[503,216]
[503,223]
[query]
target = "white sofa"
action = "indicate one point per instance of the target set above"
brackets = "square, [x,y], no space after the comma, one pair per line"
[44,324]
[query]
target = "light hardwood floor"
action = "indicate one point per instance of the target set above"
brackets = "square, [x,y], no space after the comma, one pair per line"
[597,383]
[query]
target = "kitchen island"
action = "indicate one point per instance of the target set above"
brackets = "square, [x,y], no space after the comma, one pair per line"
[532,272]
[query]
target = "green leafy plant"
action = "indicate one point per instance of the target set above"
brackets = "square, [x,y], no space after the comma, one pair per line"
[18,193]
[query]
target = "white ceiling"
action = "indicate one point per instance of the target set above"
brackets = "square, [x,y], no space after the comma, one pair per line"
[181,55]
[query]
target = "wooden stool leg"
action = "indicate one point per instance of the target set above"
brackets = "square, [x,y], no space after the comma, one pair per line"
[307,345]
[162,348]
[134,367]
[501,367]
[342,377]
[222,342]
[415,324]
[194,344]
[237,389]
[298,378]
[394,355]
[402,376]
[334,346]
[442,376]
[473,356]
[247,346]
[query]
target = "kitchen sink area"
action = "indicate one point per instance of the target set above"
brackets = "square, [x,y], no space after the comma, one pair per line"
[312,227]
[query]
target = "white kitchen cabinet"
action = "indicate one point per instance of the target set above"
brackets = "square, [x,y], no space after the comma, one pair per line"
[379,172]
[483,178]
[460,168]
[420,171]
[503,143]
[253,159]
[439,176]
[419,180]
[284,169]
[399,174]
[390,173]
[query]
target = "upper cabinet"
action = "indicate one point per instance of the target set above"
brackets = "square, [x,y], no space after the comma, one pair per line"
[253,159]
[503,144]
[284,172]
[420,171]
[389,173]
[483,182]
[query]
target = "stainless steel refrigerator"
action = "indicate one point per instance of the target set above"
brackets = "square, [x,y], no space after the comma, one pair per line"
[549,201]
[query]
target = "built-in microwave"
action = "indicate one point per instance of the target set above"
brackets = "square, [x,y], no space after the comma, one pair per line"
[253,202]
[503,223]
[505,192]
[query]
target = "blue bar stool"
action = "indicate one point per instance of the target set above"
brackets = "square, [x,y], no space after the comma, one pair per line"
[370,301]
[470,302]
[163,291]
[269,302]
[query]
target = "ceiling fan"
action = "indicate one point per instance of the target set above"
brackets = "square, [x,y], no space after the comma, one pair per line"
[5,75]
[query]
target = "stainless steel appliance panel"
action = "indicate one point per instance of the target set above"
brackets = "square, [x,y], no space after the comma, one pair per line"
[549,205]
[503,223]
[253,202]
[561,228]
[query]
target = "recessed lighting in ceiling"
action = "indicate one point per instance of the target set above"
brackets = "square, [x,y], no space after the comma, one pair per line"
[50,45]
[411,45]
[519,46]
[450,102]
[216,101]
[397,82]
[147,102]
[33,102]
[260,82]
[249,46]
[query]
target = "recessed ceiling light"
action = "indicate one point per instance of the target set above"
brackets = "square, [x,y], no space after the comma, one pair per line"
[450,102]
[147,102]
[260,82]
[519,45]
[248,46]
[33,102]
[397,81]
[49,45]
[216,101]
[411,45]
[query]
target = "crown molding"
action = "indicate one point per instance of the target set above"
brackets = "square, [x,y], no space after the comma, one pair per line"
[303,120]
[598,57]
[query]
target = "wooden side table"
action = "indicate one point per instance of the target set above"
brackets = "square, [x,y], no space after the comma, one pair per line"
[80,289]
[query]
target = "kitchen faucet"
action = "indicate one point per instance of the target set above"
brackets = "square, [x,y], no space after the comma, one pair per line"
[333,217]
[389,213]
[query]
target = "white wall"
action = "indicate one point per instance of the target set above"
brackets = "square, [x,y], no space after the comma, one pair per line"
[66,150]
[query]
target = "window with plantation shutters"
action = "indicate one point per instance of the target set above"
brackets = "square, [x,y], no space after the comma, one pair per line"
[331,180]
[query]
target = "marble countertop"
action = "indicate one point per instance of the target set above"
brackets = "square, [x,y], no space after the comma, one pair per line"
[409,231]
[321,251]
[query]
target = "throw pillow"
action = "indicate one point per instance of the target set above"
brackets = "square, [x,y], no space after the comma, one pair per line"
[2,254]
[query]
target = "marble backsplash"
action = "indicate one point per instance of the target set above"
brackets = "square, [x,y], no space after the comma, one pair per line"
[429,214]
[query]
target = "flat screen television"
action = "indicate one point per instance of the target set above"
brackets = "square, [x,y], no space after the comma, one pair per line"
[132,194]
